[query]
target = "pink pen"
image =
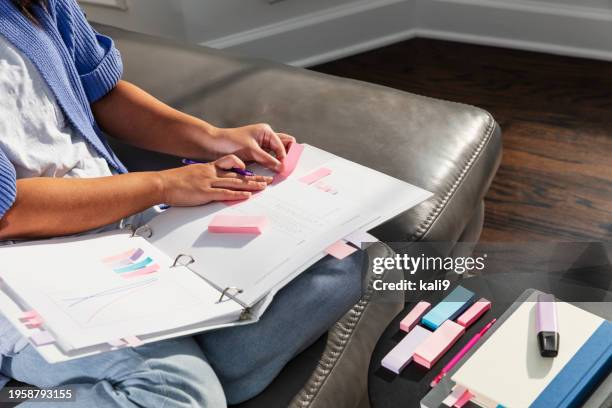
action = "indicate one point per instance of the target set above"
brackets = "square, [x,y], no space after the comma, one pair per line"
[462,353]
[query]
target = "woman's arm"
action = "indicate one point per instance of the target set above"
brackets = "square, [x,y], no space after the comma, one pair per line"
[48,207]
[137,118]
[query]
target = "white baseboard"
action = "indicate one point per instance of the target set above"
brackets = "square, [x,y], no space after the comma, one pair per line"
[536,25]
[326,35]
[528,25]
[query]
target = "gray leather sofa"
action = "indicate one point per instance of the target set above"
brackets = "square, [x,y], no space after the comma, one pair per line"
[450,149]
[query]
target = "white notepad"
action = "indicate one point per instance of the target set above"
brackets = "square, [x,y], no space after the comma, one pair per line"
[508,369]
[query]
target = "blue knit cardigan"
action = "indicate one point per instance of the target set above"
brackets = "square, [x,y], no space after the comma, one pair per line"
[79,65]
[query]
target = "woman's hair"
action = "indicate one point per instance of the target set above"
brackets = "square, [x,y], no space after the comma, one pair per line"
[27,7]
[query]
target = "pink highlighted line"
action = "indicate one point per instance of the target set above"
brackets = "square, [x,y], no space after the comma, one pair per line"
[119,257]
[145,271]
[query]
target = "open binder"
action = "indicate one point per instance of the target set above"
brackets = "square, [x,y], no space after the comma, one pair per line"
[172,277]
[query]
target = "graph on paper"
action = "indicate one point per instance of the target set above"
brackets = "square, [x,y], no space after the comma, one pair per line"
[131,264]
[131,299]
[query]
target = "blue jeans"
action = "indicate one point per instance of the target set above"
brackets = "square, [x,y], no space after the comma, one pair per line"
[210,370]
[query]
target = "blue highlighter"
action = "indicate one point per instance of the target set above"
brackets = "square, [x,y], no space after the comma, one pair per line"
[449,308]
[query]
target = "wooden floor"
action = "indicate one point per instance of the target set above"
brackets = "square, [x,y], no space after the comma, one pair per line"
[555,180]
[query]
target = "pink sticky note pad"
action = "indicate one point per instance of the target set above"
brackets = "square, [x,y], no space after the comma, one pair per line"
[291,161]
[414,316]
[430,351]
[238,224]
[464,399]
[454,396]
[133,341]
[401,355]
[340,250]
[42,338]
[470,316]
[315,175]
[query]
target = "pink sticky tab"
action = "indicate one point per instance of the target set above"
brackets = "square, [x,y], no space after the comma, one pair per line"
[34,323]
[42,338]
[133,341]
[291,161]
[428,353]
[454,396]
[340,250]
[470,316]
[30,314]
[414,316]
[238,224]
[464,399]
[117,343]
[140,272]
[315,175]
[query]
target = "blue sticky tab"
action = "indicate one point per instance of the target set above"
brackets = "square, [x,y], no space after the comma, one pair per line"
[449,308]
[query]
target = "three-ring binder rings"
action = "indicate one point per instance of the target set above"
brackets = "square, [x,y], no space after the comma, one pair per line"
[175,277]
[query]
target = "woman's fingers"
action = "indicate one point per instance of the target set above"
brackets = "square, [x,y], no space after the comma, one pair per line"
[228,162]
[265,159]
[239,184]
[286,139]
[276,145]
[231,174]
[222,194]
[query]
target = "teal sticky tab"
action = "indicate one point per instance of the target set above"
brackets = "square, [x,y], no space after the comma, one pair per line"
[449,308]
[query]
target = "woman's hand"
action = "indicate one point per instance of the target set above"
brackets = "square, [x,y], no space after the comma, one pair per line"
[253,143]
[199,184]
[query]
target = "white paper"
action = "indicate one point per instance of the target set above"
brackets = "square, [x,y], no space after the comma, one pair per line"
[85,302]
[305,219]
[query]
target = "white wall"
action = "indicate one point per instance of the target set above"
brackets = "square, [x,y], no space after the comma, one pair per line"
[157,17]
[305,32]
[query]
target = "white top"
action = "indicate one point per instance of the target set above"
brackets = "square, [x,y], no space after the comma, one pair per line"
[38,141]
[34,133]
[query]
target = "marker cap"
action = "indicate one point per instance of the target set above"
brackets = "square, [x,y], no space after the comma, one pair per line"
[546,325]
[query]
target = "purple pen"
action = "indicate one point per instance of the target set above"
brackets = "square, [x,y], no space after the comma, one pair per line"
[237,170]
[546,326]
[242,172]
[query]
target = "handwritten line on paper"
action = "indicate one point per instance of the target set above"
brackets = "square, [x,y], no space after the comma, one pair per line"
[340,250]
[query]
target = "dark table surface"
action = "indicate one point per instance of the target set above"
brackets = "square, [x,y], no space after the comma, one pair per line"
[388,390]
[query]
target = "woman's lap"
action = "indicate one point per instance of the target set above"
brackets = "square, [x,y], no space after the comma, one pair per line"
[247,358]
[178,373]
[172,373]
